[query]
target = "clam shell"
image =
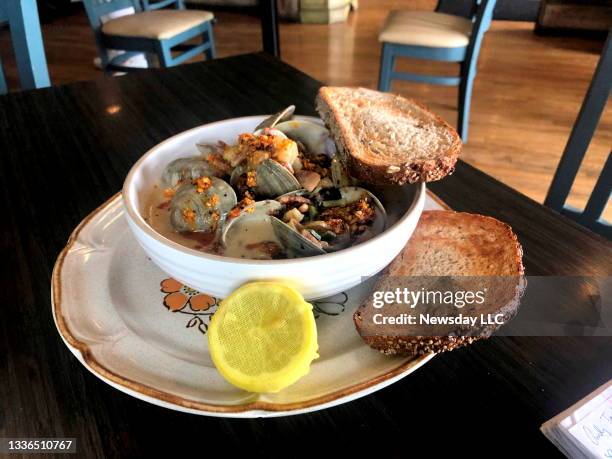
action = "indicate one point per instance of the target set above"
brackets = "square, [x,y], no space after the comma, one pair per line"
[294,243]
[248,228]
[272,178]
[276,118]
[351,194]
[186,169]
[207,148]
[313,136]
[207,218]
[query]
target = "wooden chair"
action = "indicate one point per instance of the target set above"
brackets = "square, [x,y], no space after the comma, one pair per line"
[440,37]
[584,127]
[154,31]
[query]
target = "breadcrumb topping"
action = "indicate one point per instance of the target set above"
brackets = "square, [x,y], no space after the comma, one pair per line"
[189,215]
[202,184]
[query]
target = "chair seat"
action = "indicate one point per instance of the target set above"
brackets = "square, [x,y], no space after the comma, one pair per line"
[426,28]
[159,24]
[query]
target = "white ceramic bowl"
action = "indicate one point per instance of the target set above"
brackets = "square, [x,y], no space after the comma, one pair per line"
[315,277]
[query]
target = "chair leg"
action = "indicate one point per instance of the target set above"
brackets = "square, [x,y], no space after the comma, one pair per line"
[465,99]
[28,44]
[164,55]
[387,61]
[3,88]
[152,60]
[211,53]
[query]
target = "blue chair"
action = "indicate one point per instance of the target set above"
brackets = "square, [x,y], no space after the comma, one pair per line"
[440,37]
[154,31]
[26,36]
[584,127]
[3,88]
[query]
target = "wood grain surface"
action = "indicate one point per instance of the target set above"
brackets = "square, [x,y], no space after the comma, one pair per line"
[65,150]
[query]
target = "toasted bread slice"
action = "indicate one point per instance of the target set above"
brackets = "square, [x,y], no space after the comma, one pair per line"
[384,138]
[447,243]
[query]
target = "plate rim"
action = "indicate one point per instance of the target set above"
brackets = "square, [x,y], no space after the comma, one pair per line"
[264,407]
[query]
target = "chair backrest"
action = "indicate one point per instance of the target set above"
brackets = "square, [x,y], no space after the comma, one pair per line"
[96,9]
[481,15]
[157,4]
[584,127]
[464,8]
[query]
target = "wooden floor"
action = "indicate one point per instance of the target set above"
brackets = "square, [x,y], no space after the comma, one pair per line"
[527,93]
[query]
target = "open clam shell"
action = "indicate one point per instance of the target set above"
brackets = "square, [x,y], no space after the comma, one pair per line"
[313,136]
[247,234]
[294,244]
[203,212]
[206,148]
[350,195]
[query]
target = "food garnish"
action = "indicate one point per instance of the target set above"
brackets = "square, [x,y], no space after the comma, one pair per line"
[263,337]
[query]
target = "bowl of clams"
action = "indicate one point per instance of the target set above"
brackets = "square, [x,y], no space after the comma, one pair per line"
[264,198]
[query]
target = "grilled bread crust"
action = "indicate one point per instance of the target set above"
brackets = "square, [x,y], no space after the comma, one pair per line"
[384,138]
[447,243]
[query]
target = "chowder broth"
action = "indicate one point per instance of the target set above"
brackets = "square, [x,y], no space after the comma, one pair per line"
[242,243]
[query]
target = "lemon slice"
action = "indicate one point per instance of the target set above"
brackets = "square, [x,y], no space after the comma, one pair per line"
[263,337]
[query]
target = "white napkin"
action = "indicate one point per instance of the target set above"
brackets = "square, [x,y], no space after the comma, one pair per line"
[584,430]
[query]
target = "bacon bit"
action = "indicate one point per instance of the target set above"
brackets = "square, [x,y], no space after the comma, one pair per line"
[251,180]
[215,216]
[245,204]
[336,225]
[164,205]
[234,212]
[189,215]
[213,201]
[169,192]
[358,213]
[202,184]
[245,138]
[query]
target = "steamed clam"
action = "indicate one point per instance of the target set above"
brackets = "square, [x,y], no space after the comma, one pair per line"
[267,180]
[286,196]
[202,205]
[332,219]
[313,136]
[362,214]
[249,234]
[296,243]
[187,169]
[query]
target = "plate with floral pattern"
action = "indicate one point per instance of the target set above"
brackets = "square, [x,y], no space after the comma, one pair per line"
[145,333]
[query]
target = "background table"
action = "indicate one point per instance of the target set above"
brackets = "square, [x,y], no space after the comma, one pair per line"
[65,150]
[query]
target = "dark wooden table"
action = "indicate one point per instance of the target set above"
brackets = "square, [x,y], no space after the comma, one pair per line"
[65,150]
